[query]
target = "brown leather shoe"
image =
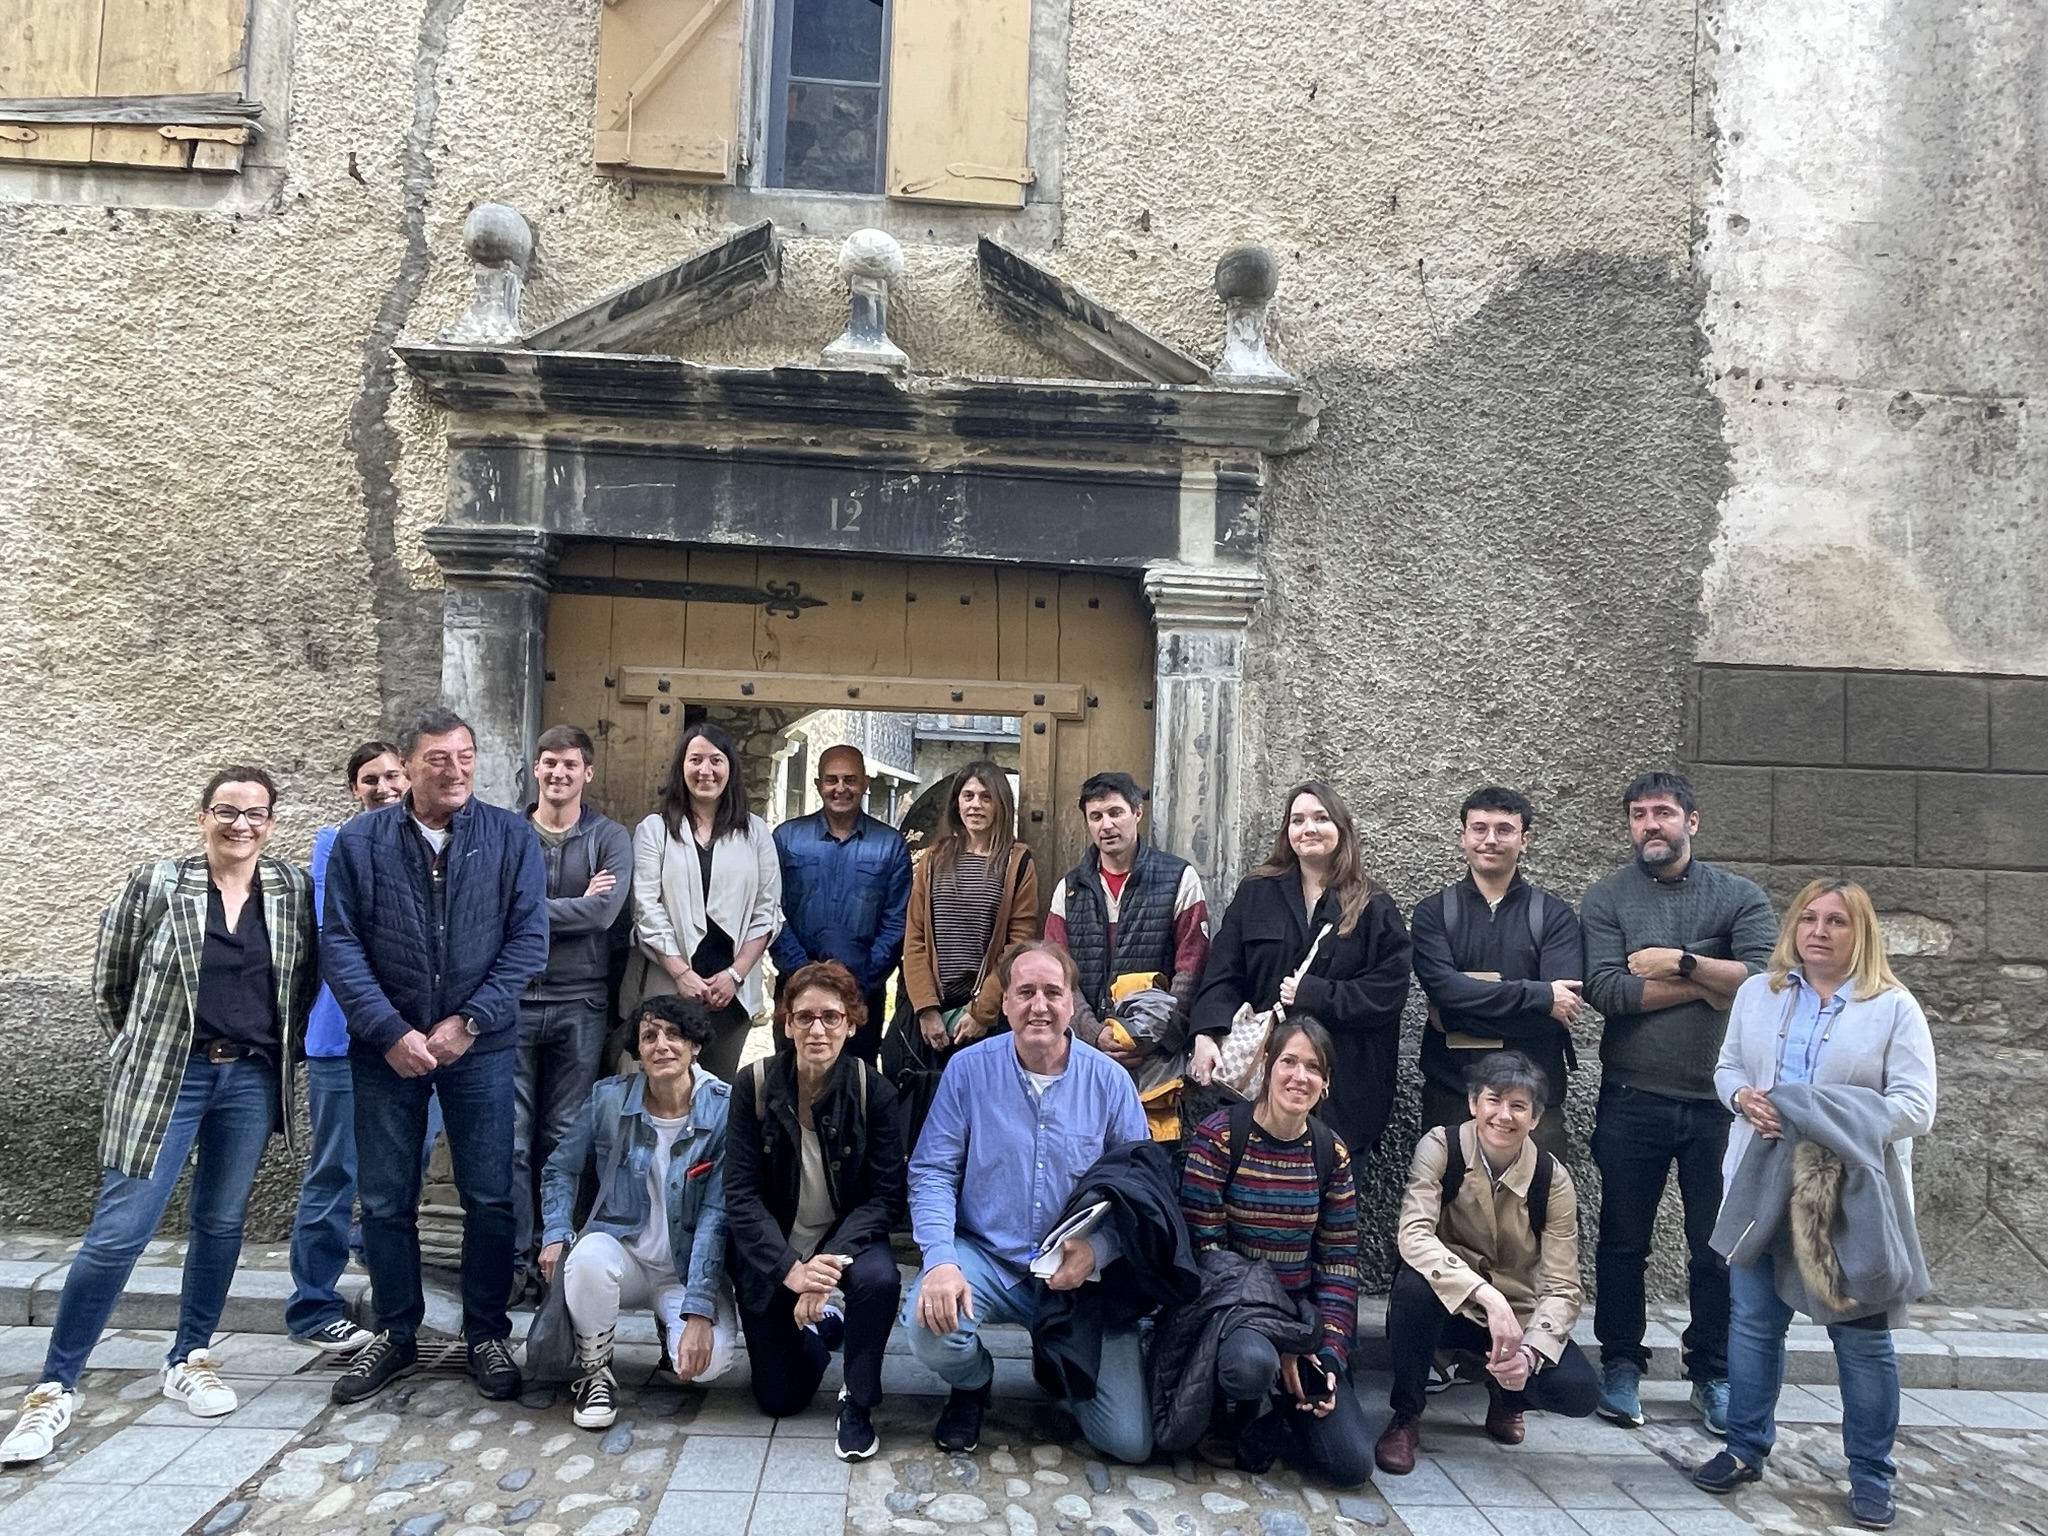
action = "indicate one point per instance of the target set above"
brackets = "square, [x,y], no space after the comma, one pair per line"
[1398,1442]
[1502,1422]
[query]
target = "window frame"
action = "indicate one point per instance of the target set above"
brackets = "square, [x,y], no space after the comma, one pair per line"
[774,111]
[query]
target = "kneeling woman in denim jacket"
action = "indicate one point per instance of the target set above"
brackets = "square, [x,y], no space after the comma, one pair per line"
[655,1140]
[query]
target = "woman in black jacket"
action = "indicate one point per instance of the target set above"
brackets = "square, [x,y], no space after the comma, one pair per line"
[1358,982]
[814,1183]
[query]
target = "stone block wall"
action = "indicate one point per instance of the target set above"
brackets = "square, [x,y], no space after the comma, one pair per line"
[1930,790]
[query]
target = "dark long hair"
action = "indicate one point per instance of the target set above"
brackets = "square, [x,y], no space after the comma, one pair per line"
[950,841]
[1354,887]
[731,815]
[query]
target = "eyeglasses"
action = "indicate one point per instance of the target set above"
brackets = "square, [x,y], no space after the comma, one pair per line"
[828,1021]
[228,815]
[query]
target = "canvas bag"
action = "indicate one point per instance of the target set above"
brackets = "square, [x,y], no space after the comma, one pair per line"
[1244,1048]
[551,1341]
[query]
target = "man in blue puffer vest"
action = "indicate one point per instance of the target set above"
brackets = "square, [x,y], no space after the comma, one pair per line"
[435,920]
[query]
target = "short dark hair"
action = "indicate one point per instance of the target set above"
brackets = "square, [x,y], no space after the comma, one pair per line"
[239,773]
[1659,785]
[1024,947]
[690,1017]
[1505,1070]
[567,738]
[826,976]
[1100,786]
[431,722]
[366,754]
[1498,797]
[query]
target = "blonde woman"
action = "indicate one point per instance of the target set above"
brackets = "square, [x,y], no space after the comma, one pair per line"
[1829,1067]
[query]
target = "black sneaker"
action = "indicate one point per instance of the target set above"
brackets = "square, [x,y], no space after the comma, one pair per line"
[379,1363]
[340,1337]
[490,1362]
[1725,1473]
[590,1400]
[959,1426]
[856,1440]
[1872,1508]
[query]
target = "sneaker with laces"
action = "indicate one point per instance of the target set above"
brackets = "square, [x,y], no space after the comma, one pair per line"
[376,1365]
[44,1416]
[590,1399]
[855,1439]
[830,1327]
[340,1337]
[1710,1398]
[959,1426]
[490,1362]
[1621,1400]
[195,1382]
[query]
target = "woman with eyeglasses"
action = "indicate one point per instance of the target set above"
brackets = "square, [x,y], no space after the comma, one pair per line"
[814,1182]
[203,976]
[707,894]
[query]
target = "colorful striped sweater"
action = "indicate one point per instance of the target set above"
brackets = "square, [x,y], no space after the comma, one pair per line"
[1272,1212]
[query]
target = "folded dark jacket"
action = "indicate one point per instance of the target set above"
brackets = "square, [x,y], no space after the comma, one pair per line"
[1237,1292]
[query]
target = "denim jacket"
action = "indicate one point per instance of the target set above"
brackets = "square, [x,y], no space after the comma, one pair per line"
[696,1179]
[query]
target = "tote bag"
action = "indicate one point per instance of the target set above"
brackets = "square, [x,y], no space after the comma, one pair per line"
[1244,1048]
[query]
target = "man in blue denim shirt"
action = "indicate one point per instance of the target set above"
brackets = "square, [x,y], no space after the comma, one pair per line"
[845,890]
[1019,1118]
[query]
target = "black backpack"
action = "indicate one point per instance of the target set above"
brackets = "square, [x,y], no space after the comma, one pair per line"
[1539,1182]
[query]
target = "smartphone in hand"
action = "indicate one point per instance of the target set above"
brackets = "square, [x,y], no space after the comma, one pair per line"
[1318,1383]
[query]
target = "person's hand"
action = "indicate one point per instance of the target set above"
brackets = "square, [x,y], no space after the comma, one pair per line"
[409,1055]
[449,1041]
[1656,964]
[1206,1061]
[1514,1372]
[1290,1378]
[719,990]
[1501,1323]
[971,1029]
[1077,1263]
[693,1348]
[600,882]
[819,1274]
[809,1307]
[1287,990]
[943,1298]
[932,1025]
[1756,1107]
[687,982]
[1565,1001]
[550,1257]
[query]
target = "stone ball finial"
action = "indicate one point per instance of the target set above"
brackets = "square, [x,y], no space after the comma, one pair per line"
[497,235]
[1247,273]
[871,253]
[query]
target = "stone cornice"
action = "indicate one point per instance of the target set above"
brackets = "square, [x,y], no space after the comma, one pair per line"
[1204,596]
[492,555]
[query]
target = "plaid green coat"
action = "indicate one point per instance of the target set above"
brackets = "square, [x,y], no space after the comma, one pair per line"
[146,989]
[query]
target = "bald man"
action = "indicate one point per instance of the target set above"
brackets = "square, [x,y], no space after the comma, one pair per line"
[845,889]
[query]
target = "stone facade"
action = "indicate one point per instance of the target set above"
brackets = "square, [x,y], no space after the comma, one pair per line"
[1672,366]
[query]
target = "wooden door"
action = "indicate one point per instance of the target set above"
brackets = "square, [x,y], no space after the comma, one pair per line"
[1069,652]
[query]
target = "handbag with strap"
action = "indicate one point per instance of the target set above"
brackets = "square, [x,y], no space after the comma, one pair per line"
[1244,1048]
[551,1341]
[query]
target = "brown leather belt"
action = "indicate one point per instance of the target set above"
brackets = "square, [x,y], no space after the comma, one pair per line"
[221,1052]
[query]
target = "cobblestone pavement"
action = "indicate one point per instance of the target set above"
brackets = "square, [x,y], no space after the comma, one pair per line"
[430,1458]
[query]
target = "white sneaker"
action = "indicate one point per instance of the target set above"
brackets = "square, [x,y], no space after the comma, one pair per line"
[196,1383]
[44,1416]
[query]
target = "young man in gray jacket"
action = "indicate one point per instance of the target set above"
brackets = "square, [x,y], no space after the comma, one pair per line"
[1669,939]
[563,1016]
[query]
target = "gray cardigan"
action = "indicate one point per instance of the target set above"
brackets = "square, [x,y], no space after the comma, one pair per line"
[1873,1091]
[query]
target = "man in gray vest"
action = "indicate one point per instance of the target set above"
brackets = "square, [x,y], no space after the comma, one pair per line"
[1129,908]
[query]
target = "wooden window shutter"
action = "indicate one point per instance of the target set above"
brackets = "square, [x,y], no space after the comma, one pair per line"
[48,48]
[167,48]
[668,87]
[960,101]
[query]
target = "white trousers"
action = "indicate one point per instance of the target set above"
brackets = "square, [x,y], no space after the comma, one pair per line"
[602,1277]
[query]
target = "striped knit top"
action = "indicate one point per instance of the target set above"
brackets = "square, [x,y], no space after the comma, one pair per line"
[964,903]
[1272,1212]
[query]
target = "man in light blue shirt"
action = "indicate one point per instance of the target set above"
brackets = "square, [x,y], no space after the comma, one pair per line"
[1018,1120]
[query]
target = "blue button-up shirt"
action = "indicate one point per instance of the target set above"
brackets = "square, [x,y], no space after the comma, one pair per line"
[843,899]
[1806,1030]
[997,1161]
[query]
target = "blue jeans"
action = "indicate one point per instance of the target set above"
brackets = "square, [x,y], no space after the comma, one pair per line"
[327,1199]
[475,1095]
[1117,1421]
[1336,1447]
[1865,1367]
[1636,1139]
[559,1047]
[229,1110]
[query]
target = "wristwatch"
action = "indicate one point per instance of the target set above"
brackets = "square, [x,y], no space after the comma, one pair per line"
[1687,961]
[472,1026]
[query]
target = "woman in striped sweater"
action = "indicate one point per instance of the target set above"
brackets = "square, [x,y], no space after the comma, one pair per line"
[1284,1195]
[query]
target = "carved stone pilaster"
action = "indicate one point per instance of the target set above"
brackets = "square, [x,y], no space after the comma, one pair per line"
[1200,614]
[493,639]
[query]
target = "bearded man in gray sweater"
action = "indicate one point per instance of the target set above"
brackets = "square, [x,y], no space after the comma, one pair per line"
[1668,940]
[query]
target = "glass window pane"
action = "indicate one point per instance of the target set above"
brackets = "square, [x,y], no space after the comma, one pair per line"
[836,39]
[830,141]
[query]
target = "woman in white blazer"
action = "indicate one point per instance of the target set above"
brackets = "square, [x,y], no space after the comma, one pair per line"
[707,892]
[1827,1010]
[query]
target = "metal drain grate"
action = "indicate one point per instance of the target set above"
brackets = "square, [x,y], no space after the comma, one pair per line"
[438,1357]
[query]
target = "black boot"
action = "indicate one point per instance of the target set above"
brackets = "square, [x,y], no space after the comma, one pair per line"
[1227,1426]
